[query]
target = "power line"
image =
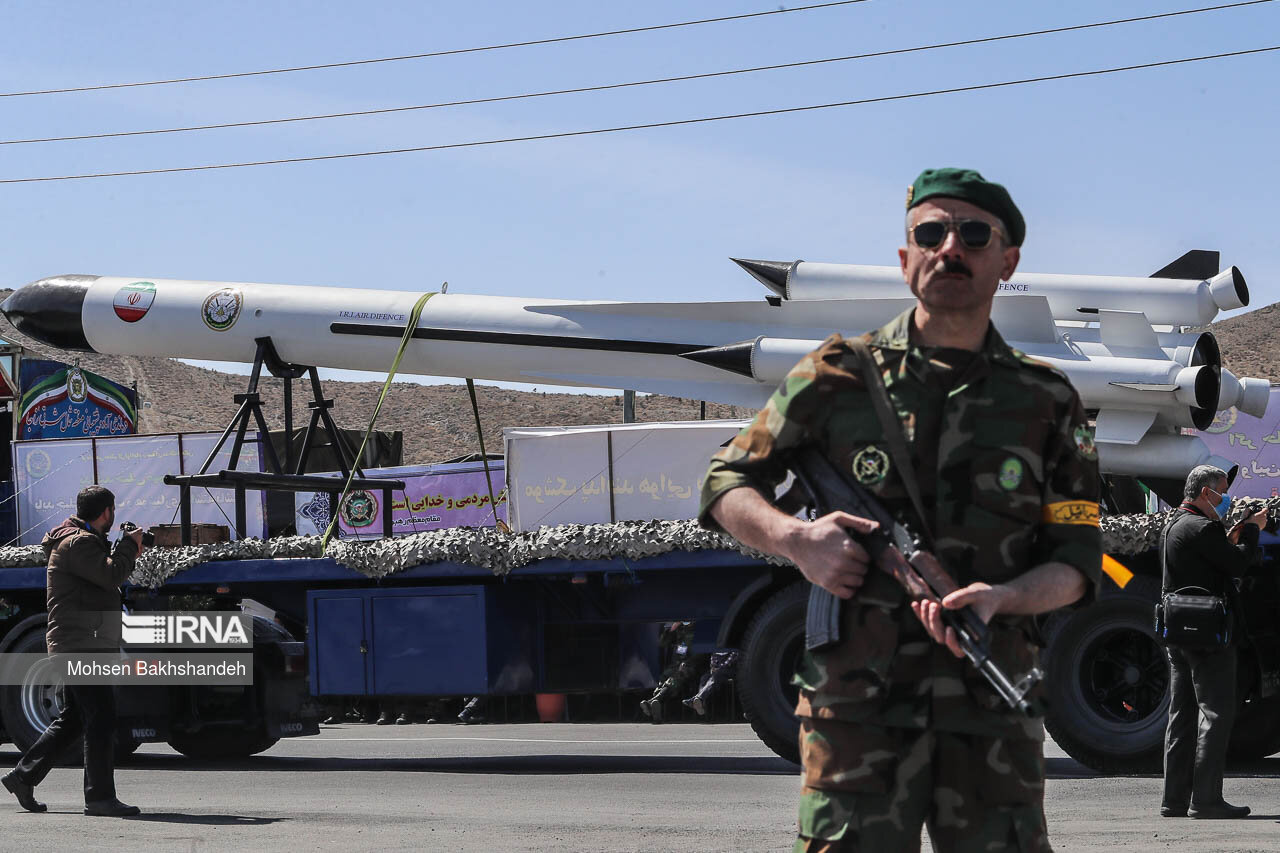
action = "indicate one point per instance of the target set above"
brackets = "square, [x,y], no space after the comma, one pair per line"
[605,87]
[454,52]
[651,125]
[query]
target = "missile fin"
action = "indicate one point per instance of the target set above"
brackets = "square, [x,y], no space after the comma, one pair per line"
[1144,386]
[1024,319]
[772,274]
[1121,426]
[1125,331]
[1197,265]
[735,358]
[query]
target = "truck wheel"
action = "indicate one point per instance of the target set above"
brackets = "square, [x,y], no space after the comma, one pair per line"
[30,707]
[771,650]
[221,744]
[1108,683]
[1256,732]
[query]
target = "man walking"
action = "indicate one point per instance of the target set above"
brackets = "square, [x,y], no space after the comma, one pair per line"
[83,588]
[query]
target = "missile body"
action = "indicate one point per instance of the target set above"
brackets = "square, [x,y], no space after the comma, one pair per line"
[1165,301]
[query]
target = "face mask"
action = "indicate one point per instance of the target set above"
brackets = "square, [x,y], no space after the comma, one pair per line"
[1223,506]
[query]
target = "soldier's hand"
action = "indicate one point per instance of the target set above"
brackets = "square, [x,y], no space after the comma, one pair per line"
[985,600]
[828,556]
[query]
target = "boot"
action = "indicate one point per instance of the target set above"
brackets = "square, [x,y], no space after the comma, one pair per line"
[111,808]
[1218,811]
[385,719]
[24,792]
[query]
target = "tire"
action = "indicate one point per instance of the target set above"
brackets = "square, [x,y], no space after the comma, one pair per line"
[771,650]
[1108,683]
[1256,732]
[226,744]
[29,708]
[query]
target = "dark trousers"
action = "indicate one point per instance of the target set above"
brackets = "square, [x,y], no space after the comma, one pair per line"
[90,709]
[1202,687]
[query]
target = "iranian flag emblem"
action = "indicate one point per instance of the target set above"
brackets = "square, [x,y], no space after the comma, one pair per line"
[133,300]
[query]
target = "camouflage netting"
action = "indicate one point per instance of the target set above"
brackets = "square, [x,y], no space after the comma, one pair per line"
[484,547]
[1134,534]
[500,553]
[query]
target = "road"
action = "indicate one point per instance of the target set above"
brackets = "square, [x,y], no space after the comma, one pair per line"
[596,787]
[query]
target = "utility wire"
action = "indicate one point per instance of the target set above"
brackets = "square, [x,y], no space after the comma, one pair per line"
[601,88]
[650,125]
[454,52]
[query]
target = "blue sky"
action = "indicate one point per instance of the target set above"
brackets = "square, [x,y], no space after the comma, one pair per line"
[1115,174]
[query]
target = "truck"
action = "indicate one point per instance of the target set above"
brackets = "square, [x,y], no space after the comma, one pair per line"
[452,627]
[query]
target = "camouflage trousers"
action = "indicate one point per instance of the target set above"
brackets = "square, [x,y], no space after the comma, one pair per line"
[871,788]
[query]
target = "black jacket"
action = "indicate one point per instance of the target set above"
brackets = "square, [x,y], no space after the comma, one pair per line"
[1197,552]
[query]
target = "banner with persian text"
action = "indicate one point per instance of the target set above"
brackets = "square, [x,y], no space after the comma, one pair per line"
[1253,444]
[59,401]
[48,475]
[435,497]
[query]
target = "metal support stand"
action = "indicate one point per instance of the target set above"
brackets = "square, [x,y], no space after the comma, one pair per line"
[290,477]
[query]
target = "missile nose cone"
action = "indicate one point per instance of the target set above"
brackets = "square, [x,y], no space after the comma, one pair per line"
[735,358]
[49,310]
[772,274]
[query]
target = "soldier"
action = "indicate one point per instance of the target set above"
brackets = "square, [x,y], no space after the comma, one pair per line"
[896,728]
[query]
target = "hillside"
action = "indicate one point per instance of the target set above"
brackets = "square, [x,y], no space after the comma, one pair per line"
[436,419]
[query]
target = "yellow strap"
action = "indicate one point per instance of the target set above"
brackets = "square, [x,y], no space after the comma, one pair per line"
[386,386]
[1116,571]
[1071,512]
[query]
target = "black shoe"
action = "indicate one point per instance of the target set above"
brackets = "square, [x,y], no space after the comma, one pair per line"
[1173,811]
[331,720]
[111,808]
[384,719]
[403,720]
[1218,811]
[696,703]
[25,793]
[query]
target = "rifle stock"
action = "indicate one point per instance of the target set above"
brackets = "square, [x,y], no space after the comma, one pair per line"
[895,550]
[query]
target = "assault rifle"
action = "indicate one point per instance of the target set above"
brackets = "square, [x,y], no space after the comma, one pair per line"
[894,549]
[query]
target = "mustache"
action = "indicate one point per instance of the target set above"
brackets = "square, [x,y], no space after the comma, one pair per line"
[955,265]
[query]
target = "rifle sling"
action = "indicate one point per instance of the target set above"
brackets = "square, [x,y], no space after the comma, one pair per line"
[891,427]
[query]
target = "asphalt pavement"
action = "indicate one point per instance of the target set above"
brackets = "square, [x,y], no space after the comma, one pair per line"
[563,787]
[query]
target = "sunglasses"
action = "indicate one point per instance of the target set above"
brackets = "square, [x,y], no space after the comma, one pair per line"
[973,233]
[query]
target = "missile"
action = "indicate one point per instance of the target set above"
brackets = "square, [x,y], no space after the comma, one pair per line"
[1159,454]
[599,344]
[1142,383]
[1167,301]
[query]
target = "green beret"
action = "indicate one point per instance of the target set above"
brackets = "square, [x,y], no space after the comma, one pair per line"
[968,185]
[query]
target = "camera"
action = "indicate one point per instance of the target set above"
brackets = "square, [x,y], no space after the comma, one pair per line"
[148,538]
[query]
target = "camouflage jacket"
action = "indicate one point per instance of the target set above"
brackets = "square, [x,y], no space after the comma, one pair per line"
[1004,459]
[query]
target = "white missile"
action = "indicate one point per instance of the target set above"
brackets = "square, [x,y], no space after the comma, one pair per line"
[1158,455]
[1141,383]
[1169,300]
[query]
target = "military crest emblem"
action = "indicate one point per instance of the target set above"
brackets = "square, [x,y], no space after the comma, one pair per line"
[870,465]
[359,509]
[1010,474]
[1084,443]
[221,309]
[77,387]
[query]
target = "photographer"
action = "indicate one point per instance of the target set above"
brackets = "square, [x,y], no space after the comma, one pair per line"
[1198,552]
[83,584]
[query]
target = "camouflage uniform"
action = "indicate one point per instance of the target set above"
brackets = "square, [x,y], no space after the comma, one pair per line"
[895,729]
